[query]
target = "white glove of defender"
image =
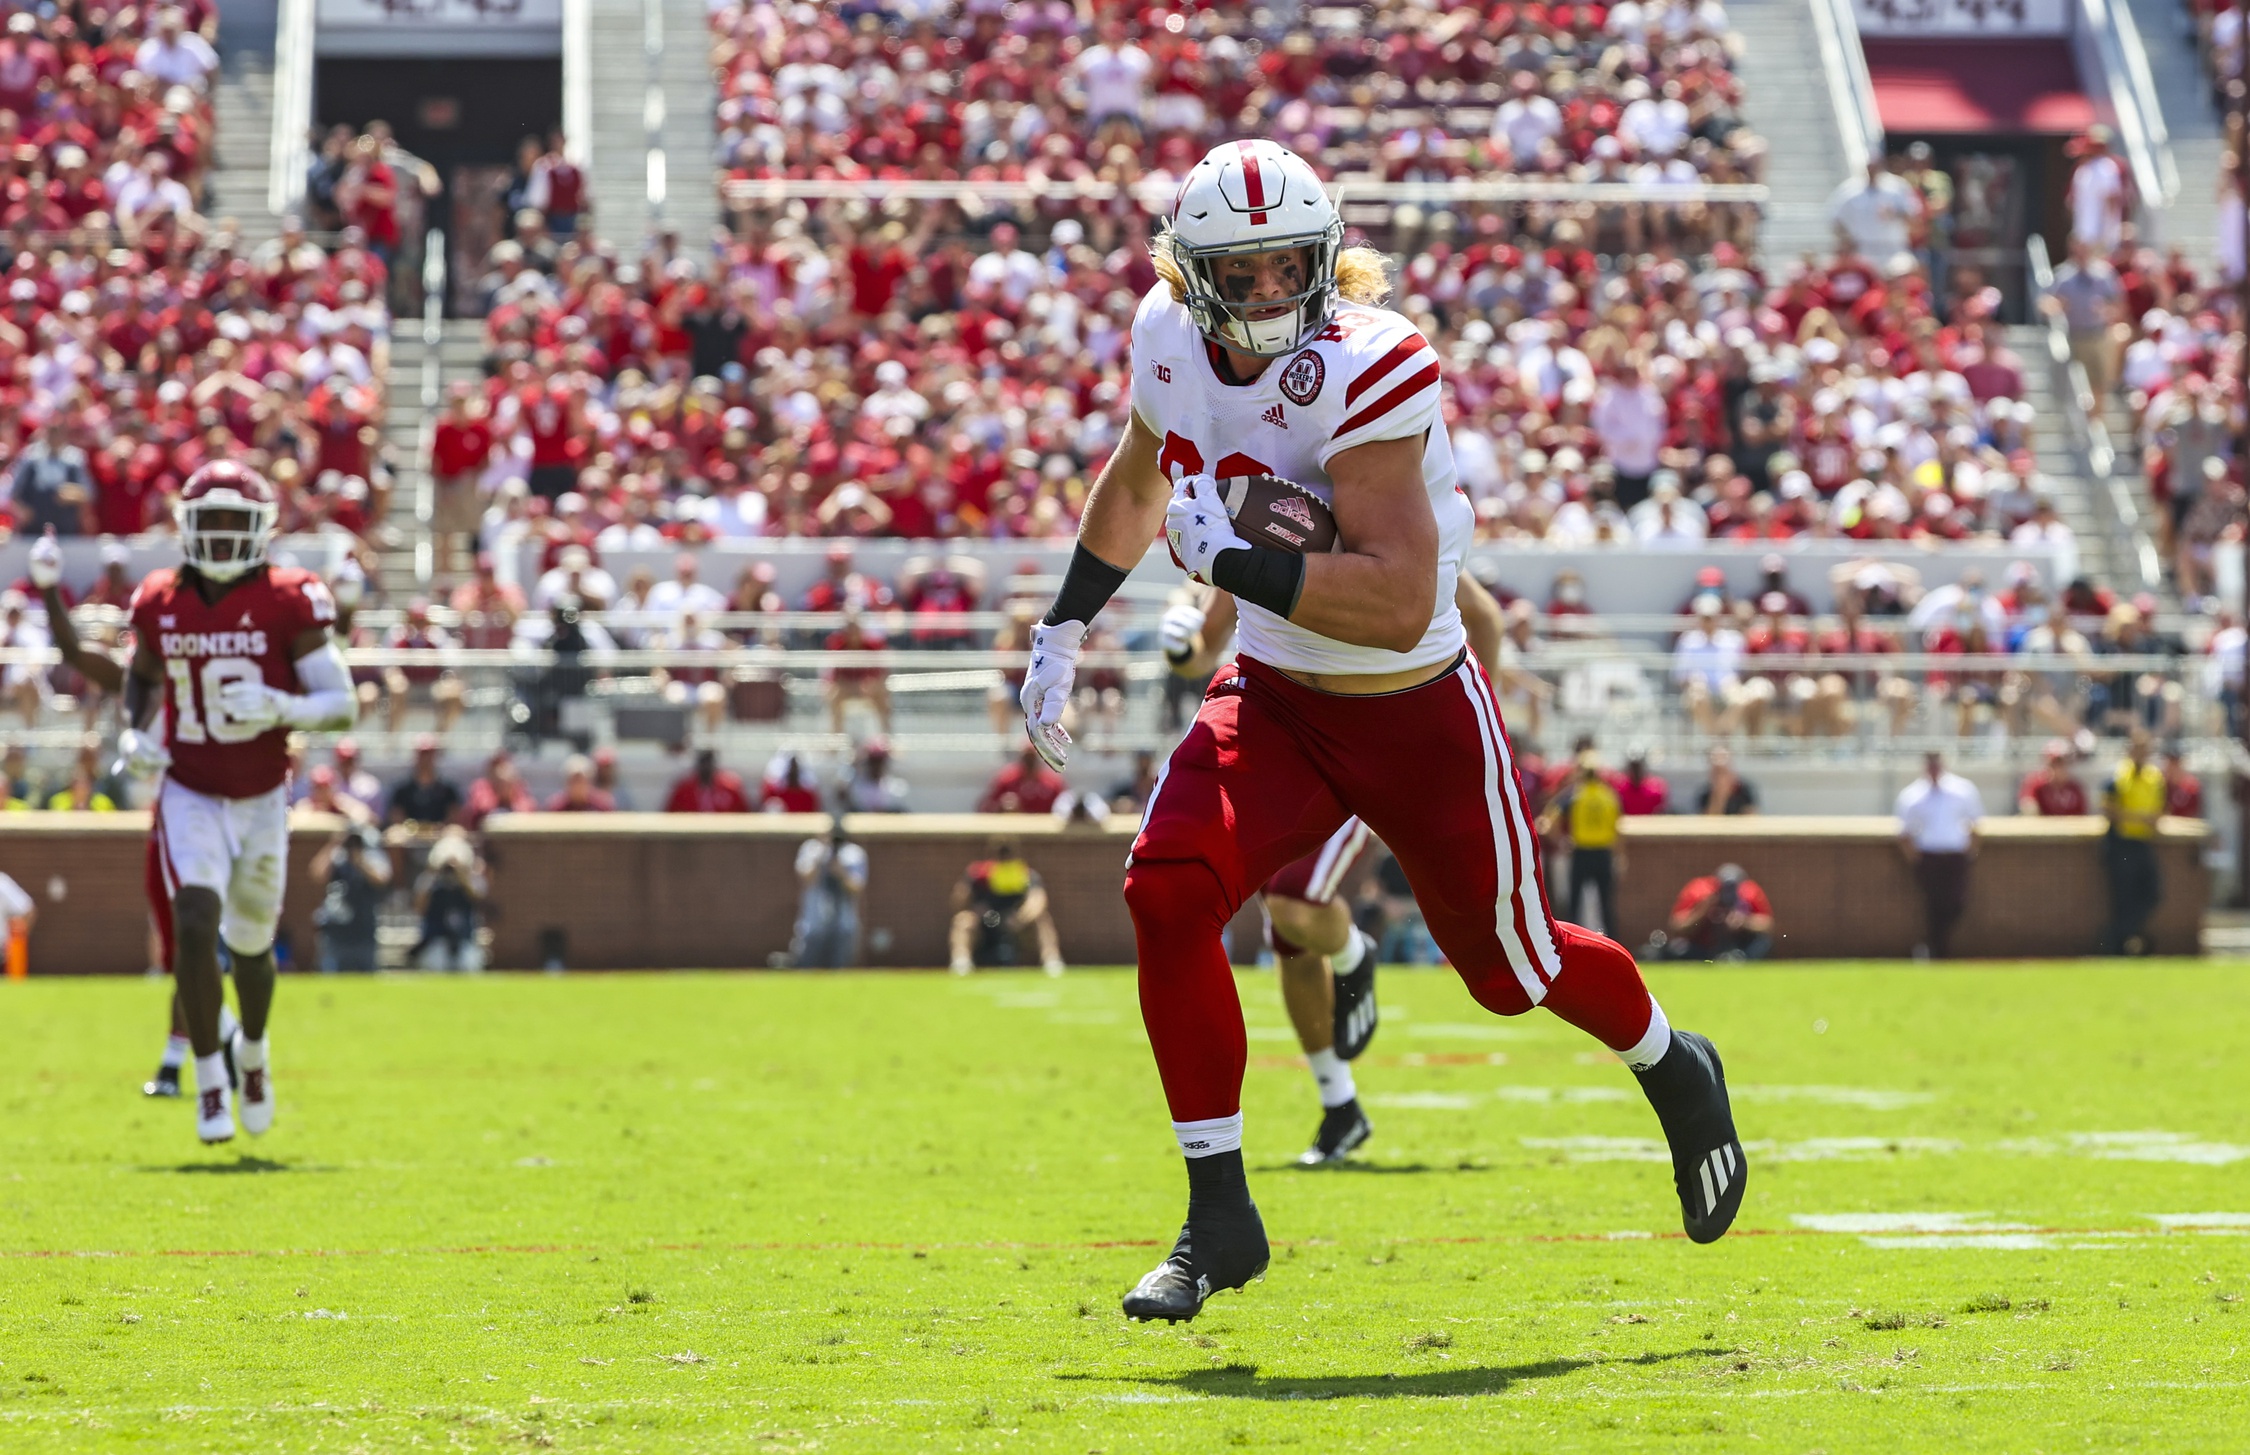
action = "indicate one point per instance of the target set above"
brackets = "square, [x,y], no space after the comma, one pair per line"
[142,754]
[46,561]
[1178,631]
[1198,526]
[253,705]
[1046,687]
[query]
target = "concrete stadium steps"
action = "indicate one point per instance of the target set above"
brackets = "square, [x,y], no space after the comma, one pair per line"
[2183,89]
[460,355]
[244,103]
[2066,477]
[1786,98]
[624,72]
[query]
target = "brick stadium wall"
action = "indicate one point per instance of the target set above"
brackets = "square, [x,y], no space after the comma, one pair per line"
[1839,887]
[86,870]
[638,891]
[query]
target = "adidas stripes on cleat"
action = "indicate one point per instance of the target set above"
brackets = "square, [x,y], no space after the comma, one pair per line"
[1343,1130]
[1355,1005]
[1688,1088]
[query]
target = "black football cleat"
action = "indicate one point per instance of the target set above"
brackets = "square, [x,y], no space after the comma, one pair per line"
[165,1083]
[1688,1089]
[1343,1130]
[1222,1246]
[1355,1007]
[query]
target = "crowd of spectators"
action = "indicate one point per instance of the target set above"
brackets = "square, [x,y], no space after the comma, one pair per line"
[139,339]
[1132,94]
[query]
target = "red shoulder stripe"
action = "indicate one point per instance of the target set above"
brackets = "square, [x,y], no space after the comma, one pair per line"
[1422,380]
[1406,348]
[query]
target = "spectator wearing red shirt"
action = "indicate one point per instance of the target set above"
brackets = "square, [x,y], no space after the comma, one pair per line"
[579,795]
[846,685]
[1025,786]
[368,197]
[2183,795]
[500,790]
[2050,791]
[460,449]
[708,789]
[788,792]
[1638,790]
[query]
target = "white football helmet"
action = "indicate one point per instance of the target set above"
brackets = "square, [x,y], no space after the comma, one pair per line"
[1254,197]
[226,514]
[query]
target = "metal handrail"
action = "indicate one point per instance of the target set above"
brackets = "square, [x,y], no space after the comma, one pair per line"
[2090,434]
[2139,112]
[290,154]
[433,336]
[1858,123]
[1153,197]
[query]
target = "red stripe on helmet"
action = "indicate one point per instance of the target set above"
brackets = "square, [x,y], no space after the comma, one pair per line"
[1253,182]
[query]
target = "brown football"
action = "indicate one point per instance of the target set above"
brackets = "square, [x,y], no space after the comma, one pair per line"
[1269,511]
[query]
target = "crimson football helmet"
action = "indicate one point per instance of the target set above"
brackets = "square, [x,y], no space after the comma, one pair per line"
[226,514]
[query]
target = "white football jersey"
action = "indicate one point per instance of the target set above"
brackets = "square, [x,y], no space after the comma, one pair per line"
[1369,375]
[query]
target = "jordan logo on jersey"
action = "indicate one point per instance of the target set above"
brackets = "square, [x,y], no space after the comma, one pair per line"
[1275,418]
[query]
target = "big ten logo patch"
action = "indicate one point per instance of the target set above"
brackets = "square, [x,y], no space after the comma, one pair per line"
[1301,381]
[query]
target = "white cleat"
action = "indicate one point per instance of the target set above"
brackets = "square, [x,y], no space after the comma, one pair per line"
[214,1115]
[257,1086]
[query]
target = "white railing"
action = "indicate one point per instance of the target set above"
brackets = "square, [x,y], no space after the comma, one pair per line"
[1156,197]
[1858,123]
[2089,434]
[578,81]
[432,394]
[2139,113]
[289,151]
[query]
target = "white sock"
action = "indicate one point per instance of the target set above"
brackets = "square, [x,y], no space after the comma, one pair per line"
[210,1071]
[228,1025]
[250,1055]
[175,1053]
[1334,1075]
[1209,1138]
[1346,960]
[1650,1049]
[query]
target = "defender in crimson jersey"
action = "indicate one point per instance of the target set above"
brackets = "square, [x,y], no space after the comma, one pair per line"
[1265,350]
[235,653]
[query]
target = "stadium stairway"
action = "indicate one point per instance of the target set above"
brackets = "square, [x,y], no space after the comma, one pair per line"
[2063,473]
[1788,103]
[2183,88]
[652,91]
[238,183]
[459,356]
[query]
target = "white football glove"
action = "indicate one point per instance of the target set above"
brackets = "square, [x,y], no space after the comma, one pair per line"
[46,561]
[141,753]
[253,705]
[1046,687]
[1178,631]
[1198,526]
[349,585]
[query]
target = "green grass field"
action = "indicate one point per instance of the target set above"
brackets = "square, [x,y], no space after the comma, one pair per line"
[2003,1209]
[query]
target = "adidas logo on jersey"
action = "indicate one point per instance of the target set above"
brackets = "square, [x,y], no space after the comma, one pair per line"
[1275,418]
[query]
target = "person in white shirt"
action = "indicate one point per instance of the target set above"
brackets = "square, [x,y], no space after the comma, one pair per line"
[1628,417]
[1938,814]
[1112,76]
[1707,667]
[1655,126]
[175,55]
[2097,195]
[684,594]
[1526,119]
[1875,216]
[2045,528]
[1011,270]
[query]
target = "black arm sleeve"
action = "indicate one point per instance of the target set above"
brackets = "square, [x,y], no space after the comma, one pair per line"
[1088,584]
[1261,576]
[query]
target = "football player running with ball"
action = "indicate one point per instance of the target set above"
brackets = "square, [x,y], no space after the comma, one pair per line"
[1326,963]
[236,654]
[1263,351]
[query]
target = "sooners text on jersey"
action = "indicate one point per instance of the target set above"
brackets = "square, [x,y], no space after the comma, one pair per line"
[1368,375]
[243,636]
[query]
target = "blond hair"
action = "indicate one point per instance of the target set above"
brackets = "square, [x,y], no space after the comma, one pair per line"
[1363,275]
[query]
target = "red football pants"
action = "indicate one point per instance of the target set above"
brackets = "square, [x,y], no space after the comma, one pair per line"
[1269,770]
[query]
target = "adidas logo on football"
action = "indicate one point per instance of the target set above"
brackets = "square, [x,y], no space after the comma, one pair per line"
[1275,418]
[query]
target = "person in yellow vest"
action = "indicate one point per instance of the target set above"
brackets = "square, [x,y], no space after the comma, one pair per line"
[2133,800]
[1587,812]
